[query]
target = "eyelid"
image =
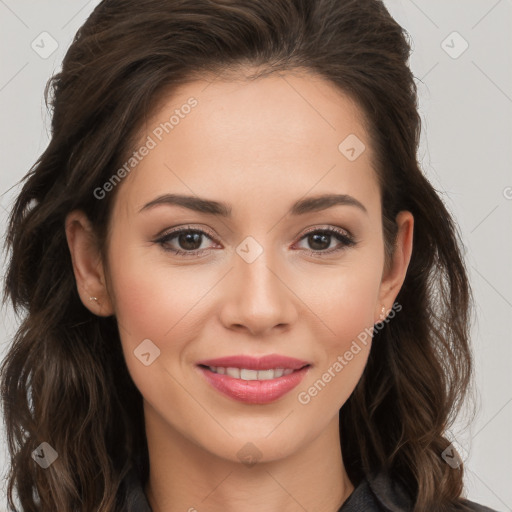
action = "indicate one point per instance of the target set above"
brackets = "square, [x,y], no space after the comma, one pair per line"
[187,227]
[326,227]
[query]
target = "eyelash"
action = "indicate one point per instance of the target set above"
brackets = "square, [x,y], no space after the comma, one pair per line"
[343,236]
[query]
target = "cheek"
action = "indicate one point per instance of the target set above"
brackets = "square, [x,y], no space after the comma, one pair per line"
[153,299]
[156,303]
[344,302]
[343,299]
[159,304]
[342,349]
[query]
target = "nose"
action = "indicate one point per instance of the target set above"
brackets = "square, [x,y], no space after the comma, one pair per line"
[258,298]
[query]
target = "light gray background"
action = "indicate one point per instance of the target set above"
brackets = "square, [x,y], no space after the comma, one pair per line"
[466,151]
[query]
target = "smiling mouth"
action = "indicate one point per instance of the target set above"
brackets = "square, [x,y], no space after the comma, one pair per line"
[247,374]
[251,386]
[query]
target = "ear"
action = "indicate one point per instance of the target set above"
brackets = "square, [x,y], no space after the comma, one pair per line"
[394,277]
[87,264]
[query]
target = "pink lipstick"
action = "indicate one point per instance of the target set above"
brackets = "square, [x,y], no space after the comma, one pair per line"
[254,380]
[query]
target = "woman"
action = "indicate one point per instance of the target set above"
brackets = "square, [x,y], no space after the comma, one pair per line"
[239,289]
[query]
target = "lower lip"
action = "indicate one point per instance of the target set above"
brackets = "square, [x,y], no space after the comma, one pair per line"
[254,391]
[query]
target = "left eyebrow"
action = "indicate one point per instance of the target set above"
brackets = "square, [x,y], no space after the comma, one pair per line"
[301,207]
[322,202]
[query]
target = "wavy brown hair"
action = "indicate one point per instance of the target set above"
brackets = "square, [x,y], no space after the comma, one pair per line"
[65,381]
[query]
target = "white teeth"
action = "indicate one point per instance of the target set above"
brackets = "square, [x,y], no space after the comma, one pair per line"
[265,374]
[248,374]
[245,374]
[233,372]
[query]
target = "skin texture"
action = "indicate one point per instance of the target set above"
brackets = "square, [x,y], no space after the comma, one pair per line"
[258,146]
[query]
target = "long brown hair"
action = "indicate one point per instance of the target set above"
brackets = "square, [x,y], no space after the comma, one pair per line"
[64,380]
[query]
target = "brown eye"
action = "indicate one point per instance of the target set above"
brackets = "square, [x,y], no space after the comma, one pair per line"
[186,242]
[190,241]
[319,241]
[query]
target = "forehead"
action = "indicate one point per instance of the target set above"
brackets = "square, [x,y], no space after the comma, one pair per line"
[281,134]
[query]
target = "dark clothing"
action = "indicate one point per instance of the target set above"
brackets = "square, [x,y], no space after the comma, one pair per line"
[373,494]
[380,494]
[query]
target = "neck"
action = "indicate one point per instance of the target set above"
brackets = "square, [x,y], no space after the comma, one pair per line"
[185,476]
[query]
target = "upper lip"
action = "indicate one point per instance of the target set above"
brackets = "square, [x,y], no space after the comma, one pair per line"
[267,362]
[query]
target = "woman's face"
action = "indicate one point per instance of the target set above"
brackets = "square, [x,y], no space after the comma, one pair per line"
[288,261]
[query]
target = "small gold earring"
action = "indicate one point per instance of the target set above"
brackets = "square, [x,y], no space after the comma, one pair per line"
[94,299]
[383,312]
